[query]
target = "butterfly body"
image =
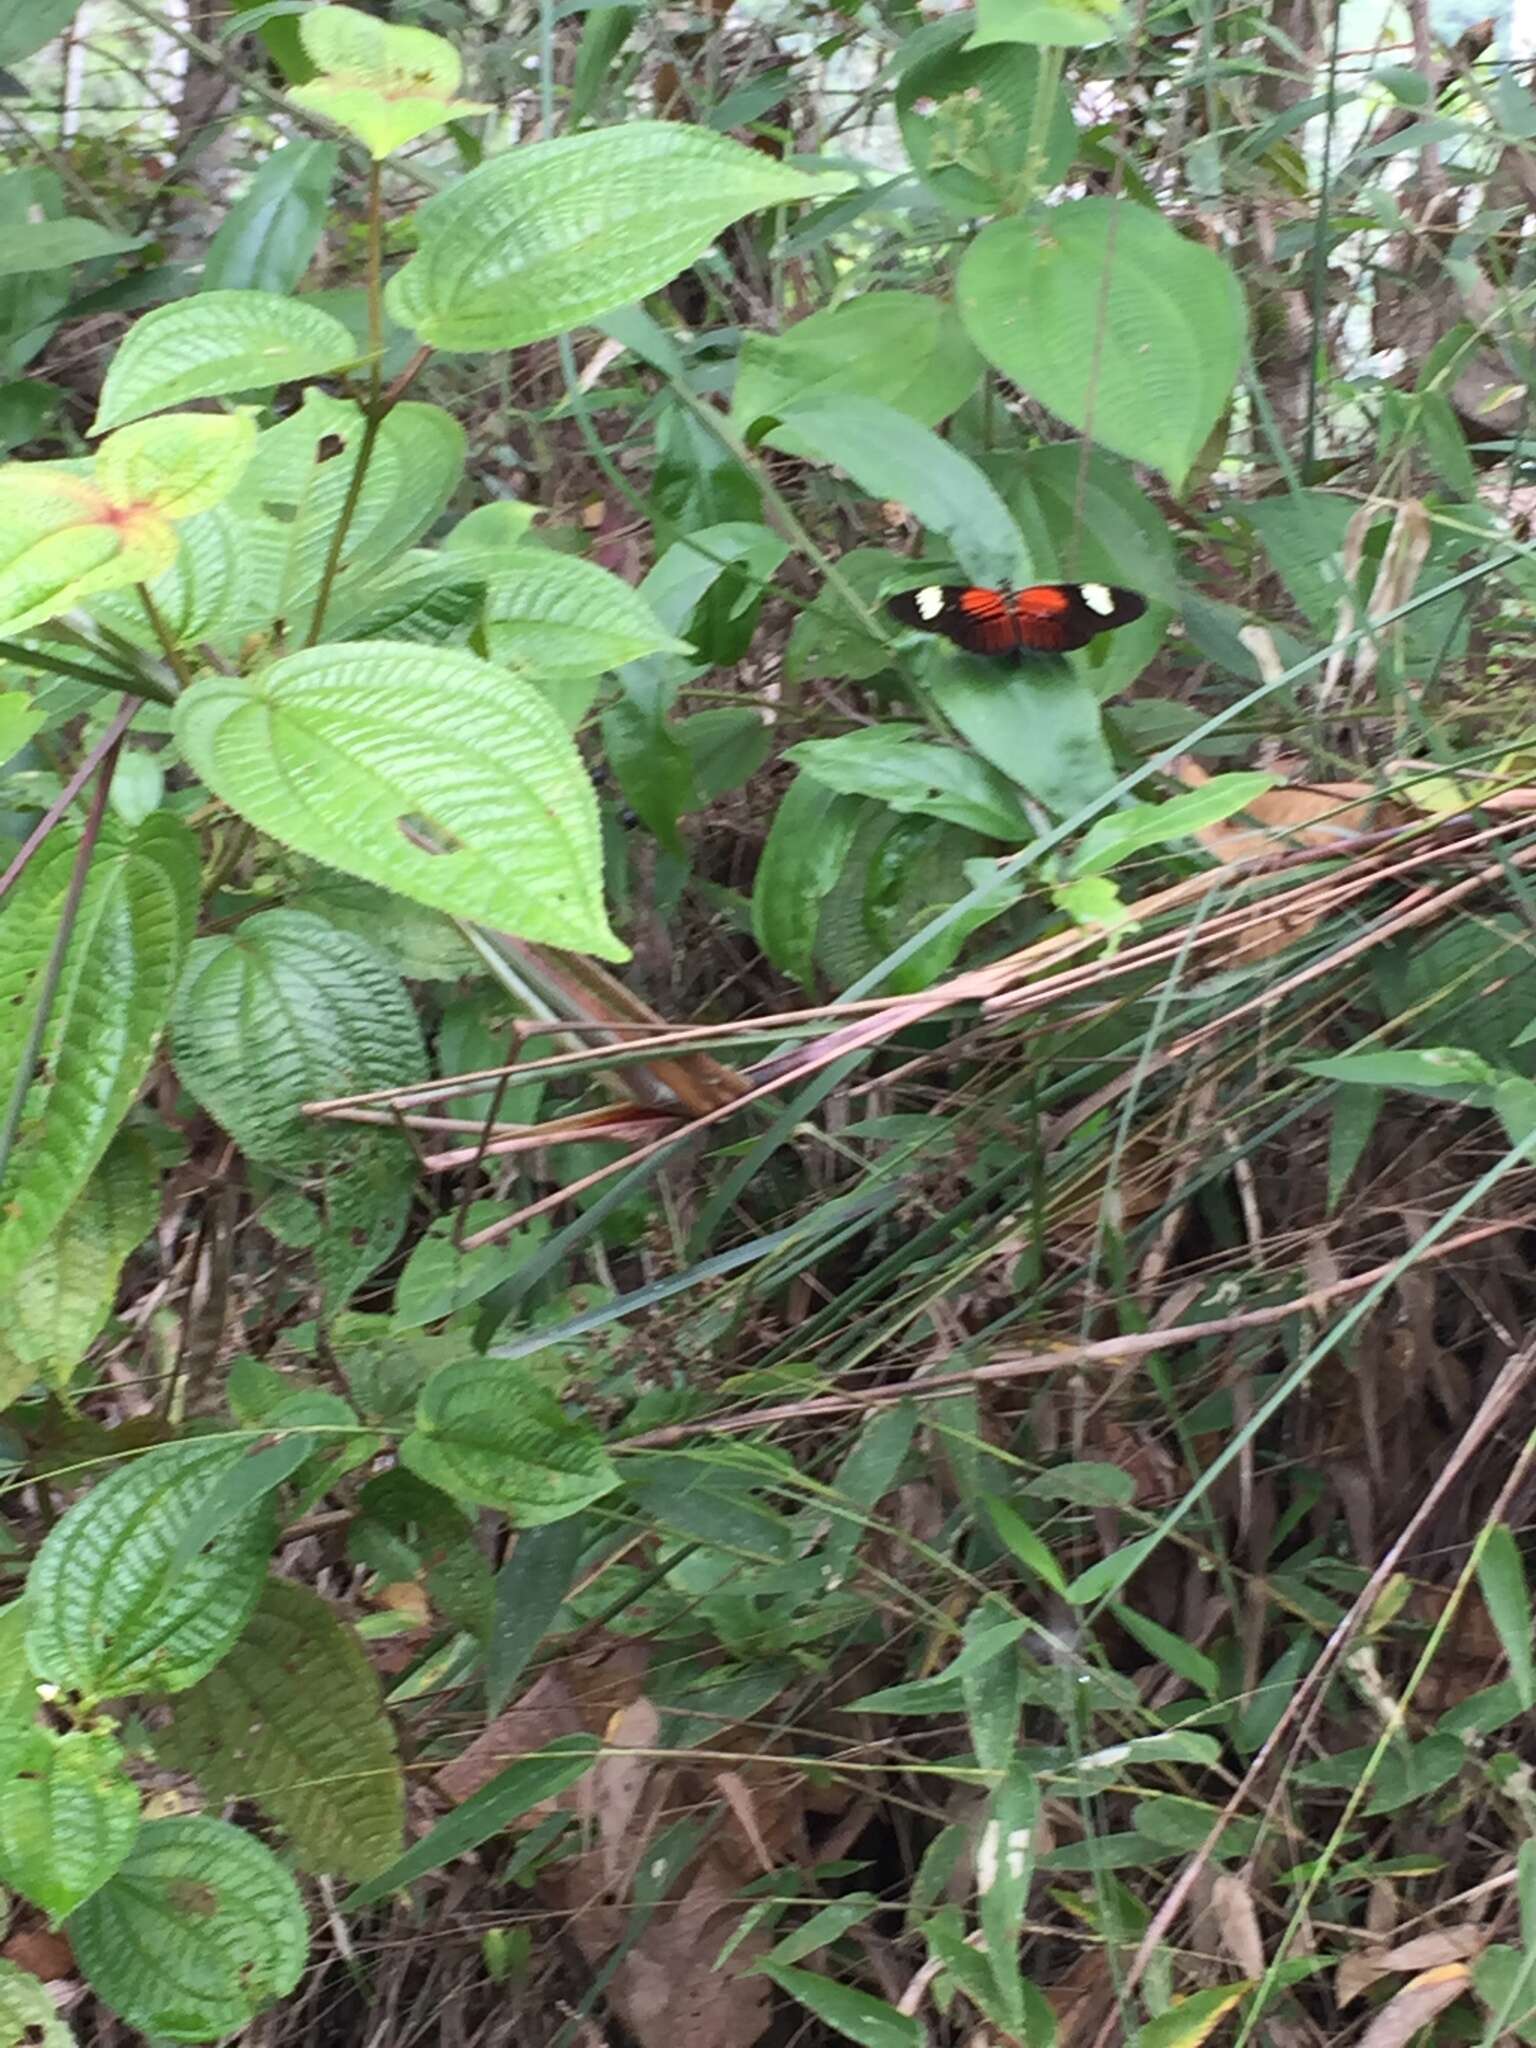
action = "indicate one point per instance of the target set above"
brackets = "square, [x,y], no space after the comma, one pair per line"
[1044,618]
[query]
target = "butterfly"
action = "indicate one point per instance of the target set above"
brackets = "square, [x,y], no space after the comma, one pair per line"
[1047,618]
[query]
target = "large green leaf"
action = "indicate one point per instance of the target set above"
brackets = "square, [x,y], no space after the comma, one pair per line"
[215,590]
[904,348]
[554,233]
[293,1720]
[387,85]
[487,1431]
[555,618]
[1039,725]
[26,25]
[1077,24]
[112,1605]
[806,848]
[286,1010]
[67,1819]
[893,457]
[63,1293]
[911,774]
[1104,313]
[28,2016]
[199,1930]
[341,751]
[216,343]
[129,941]
[55,244]
[62,539]
[266,240]
[855,2014]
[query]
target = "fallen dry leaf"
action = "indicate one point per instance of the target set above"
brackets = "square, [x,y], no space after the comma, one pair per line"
[1425,1952]
[1237,1922]
[1416,2005]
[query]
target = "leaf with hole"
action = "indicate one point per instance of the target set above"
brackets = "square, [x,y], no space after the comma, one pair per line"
[549,235]
[124,957]
[199,1931]
[1111,319]
[107,1613]
[28,2016]
[488,1431]
[67,1818]
[425,770]
[293,1720]
[218,343]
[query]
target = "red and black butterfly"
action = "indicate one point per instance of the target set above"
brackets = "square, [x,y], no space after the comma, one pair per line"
[1047,618]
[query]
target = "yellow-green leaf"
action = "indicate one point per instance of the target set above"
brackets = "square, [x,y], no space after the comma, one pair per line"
[61,538]
[183,464]
[383,84]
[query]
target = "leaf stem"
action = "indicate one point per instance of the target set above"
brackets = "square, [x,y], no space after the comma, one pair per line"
[375,284]
[165,636]
[53,971]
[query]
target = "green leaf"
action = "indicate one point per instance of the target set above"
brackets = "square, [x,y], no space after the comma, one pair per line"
[62,539]
[217,343]
[806,847]
[1194,2019]
[67,1819]
[1501,1575]
[892,457]
[56,244]
[267,239]
[25,27]
[1040,725]
[28,2016]
[903,348]
[553,618]
[178,466]
[199,1930]
[524,1784]
[131,935]
[1005,1865]
[385,85]
[1111,1573]
[908,774]
[1029,1548]
[487,1431]
[293,1720]
[972,123]
[530,1590]
[1118,324]
[846,2010]
[1075,24]
[19,719]
[286,1010]
[63,1294]
[294,491]
[1448,1072]
[1114,838]
[340,750]
[553,233]
[993,1690]
[106,1613]
[439,1278]
[1179,1655]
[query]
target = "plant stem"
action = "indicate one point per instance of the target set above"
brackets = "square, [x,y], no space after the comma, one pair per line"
[66,796]
[165,636]
[76,671]
[53,971]
[375,284]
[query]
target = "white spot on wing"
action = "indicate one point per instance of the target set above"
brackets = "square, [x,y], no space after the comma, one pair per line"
[1098,597]
[930,602]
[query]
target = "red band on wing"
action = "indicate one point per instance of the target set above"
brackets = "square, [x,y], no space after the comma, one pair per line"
[1042,601]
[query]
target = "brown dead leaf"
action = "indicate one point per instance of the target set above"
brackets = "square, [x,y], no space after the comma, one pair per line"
[1416,2005]
[1237,1922]
[611,1790]
[1425,1953]
[545,1711]
[45,1954]
[405,1596]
